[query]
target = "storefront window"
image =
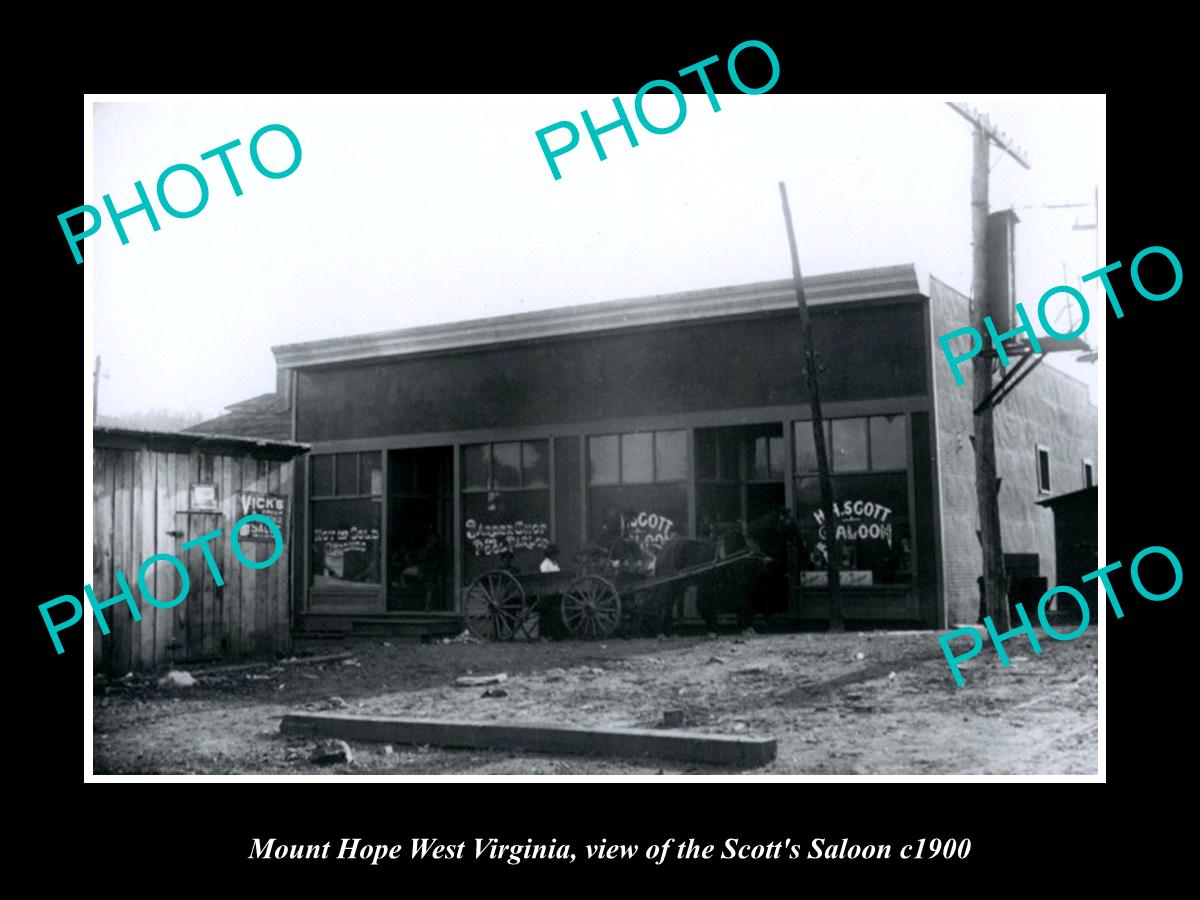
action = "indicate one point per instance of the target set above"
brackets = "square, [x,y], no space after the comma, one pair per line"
[875,444]
[346,518]
[640,457]
[506,505]
[873,530]
[637,487]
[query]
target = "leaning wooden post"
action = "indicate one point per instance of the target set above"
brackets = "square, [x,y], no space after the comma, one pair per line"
[833,557]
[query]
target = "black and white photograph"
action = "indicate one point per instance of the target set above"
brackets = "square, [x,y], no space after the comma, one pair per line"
[702,431]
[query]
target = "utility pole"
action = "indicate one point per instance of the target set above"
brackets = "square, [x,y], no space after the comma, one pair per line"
[814,396]
[987,485]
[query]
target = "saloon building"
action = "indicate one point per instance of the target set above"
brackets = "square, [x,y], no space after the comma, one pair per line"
[436,449]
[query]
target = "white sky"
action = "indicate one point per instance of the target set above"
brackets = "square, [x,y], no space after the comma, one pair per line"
[418,210]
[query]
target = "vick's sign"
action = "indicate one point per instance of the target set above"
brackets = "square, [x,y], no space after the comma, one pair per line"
[273,506]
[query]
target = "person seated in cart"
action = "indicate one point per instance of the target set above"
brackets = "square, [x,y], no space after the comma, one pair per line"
[550,559]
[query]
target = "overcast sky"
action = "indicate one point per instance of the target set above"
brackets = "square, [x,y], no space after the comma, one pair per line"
[418,210]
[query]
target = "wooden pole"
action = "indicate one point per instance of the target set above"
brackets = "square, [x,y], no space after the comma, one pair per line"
[814,395]
[987,487]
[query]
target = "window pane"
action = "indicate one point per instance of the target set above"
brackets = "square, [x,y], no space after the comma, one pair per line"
[806,450]
[888,450]
[762,455]
[728,449]
[670,456]
[535,463]
[637,457]
[347,474]
[506,465]
[706,454]
[775,447]
[849,445]
[602,459]
[322,476]
[1044,470]
[370,472]
[475,467]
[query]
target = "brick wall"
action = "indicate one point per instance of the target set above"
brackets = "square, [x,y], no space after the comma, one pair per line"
[1048,408]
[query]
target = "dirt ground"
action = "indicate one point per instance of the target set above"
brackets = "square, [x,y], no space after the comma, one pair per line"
[872,702]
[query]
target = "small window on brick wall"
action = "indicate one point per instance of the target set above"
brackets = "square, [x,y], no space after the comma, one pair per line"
[1043,469]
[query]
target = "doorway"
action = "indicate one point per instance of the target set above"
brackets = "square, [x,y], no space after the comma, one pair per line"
[740,476]
[420,536]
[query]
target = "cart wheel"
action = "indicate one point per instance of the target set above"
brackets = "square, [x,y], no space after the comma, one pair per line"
[591,607]
[494,606]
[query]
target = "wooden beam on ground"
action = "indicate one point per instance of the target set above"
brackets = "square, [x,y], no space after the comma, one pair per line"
[713,749]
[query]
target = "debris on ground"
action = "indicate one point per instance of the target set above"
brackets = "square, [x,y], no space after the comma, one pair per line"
[495,692]
[330,752]
[860,655]
[351,662]
[177,678]
[480,680]
[750,632]
[672,718]
[464,637]
[830,713]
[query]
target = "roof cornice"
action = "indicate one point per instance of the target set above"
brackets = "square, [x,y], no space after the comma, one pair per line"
[711,303]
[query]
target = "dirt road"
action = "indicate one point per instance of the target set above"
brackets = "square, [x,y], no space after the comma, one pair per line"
[853,703]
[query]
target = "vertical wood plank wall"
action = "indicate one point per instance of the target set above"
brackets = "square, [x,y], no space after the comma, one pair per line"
[140,501]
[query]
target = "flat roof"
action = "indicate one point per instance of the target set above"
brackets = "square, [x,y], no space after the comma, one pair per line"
[710,303]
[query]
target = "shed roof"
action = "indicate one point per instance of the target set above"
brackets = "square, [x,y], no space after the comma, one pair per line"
[185,442]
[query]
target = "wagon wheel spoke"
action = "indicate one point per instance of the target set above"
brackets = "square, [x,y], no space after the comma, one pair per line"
[493,604]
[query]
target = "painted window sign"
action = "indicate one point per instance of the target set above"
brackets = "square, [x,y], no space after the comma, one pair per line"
[494,538]
[649,530]
[273,506]
[871,522]
[858,520]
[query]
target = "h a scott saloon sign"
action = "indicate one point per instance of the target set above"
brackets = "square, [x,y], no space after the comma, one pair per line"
[274,506]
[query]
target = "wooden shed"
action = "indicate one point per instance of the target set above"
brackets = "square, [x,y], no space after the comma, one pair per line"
[154,492]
